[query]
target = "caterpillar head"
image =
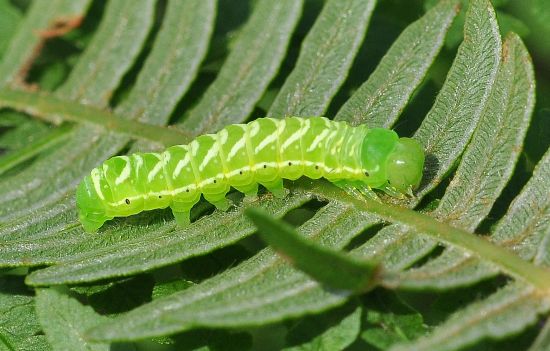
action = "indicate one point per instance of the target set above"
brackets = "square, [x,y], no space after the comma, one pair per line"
[90,208]
[404,165]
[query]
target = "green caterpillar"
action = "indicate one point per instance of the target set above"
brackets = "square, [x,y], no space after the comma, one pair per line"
[244,155]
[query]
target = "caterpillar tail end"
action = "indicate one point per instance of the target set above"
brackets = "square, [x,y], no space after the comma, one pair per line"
[91,225]
[91,209]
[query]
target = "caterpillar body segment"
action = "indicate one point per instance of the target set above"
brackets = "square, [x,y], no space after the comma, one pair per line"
[241,156]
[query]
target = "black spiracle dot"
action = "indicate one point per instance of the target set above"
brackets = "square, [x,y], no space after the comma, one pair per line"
[316,167]
[215,181]
[186,190]
[290,163]
[367,173]
[240,172]
[160,196]
[127,201]
[265,166]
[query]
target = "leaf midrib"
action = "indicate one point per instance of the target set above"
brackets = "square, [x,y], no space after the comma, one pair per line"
[50,107]
[504,259]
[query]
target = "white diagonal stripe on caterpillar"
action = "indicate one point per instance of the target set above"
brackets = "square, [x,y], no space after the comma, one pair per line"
[238,146]
[95,174]
[180,165]
[155,169]
[294,137]
[212,152]
[125,174]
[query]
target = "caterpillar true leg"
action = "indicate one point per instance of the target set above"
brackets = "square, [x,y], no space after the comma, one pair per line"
[391,191]
[348,188]
[357,189]
[368,192]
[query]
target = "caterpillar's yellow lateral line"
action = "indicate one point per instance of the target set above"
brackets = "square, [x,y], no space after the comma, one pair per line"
[264,151]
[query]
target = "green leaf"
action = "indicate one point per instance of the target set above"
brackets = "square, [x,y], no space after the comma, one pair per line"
[173,62]
[397,246]
[116,296]
[110,53]
[380,100]
[542,341]
[60,217]
[168,71]
[23,133]
[527,221]
[450,123]
[526,226]
[19,326]
[12,119]
[389,321]
[329,267]
[485,169]
[325,58]
[32,148]
[168,288]
[505,312]
[141,62]
[536,15]
[253,62]
[83,147]
[487,164]
[211,340]
[503,259]
[64,321]
[56,110]
[260,290]
[447,125]
[89,259]
[21,50]
[88,86]
[331,331]
[10,17]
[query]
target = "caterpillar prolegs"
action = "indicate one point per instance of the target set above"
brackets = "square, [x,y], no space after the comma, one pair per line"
[264,151]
